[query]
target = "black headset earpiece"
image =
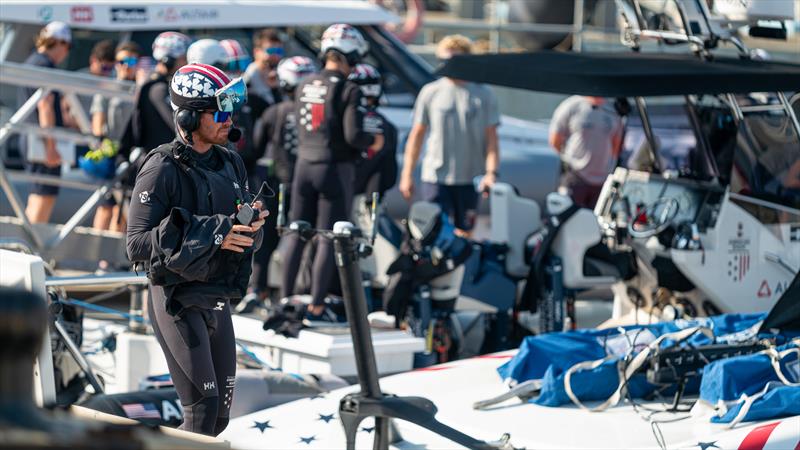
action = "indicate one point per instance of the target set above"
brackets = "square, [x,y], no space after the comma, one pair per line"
[181,153]
[188,120]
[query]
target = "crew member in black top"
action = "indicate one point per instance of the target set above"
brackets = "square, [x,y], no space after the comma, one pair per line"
[151,122]
[375,171]
[192,224]
[331,137]
[276,136]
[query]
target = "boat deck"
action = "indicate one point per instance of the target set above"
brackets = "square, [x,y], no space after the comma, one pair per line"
[454,387]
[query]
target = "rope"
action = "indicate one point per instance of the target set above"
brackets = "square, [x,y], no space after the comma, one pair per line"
[254,357]
[627,372]
[524,391]
[775,359]
[103,309]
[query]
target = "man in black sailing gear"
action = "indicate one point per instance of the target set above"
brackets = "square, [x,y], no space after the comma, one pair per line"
[376,171]
[276,136]
[151,123]
[188,225]
[331,137]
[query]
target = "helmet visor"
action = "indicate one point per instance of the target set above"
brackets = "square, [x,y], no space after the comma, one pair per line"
[371,90]
[232,96]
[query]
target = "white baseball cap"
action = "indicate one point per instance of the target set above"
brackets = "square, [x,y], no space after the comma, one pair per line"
[57,30]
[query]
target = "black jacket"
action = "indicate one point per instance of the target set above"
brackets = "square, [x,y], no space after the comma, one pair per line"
[330,120]
[276,136]
[151,123]
[179,215]
[378,172]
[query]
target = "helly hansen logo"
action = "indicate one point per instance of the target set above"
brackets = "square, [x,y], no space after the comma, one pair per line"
[219,306]
[217,239]
[209,386]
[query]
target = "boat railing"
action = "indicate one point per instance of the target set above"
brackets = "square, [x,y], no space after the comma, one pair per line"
[496,26]
[70,85]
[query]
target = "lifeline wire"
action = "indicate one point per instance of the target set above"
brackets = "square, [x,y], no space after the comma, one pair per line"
[103,309]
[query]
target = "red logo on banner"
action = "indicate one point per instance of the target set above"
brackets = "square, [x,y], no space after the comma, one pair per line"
[764,290]
[81,14]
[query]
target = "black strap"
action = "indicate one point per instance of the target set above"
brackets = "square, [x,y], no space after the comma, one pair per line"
[534,284]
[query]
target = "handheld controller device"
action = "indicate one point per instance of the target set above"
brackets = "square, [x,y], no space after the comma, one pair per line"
[248,214]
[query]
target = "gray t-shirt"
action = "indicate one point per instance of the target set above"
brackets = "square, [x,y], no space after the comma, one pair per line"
[118,114]
[456,116]
[589,132]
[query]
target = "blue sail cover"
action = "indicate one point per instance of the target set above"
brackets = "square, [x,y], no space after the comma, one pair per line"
[728,384]
[547,357]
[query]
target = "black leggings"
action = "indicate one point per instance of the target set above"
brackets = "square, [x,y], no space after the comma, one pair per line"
[322,194]
[200,349]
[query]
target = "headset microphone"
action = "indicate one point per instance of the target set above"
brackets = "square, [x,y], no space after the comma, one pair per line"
[234,134]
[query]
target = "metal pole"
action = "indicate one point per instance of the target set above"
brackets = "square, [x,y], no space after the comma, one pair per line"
[76,109]
[22,113]
[577,33]
[356,308]
[78,217]
[19,210]
[13,198]
[641,106]
[97,280]
[138,301]
[78,356]
[790,112]
[355,305]
[494,34]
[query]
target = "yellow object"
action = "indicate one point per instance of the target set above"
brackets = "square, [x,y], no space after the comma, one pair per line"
[106,149]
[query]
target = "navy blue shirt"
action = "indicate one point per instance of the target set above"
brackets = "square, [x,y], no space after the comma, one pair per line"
[41,60]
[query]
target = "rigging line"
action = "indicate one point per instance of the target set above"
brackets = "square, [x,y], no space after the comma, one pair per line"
[103,309]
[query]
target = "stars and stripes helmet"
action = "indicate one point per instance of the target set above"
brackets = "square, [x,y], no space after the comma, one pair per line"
[170,45]
[197,87]
[292,70]
[368,79]
[209,52]
[346,40]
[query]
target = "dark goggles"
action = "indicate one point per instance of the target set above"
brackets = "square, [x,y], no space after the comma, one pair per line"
[220,116]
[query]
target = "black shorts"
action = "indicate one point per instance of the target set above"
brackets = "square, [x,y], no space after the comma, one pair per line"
[108,200]
[459,202]
[41,188]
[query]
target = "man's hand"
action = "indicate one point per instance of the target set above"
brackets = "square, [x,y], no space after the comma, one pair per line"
[263,213]
[237,242]
[378,144]
[406,185]
[487,181]
[51,156]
